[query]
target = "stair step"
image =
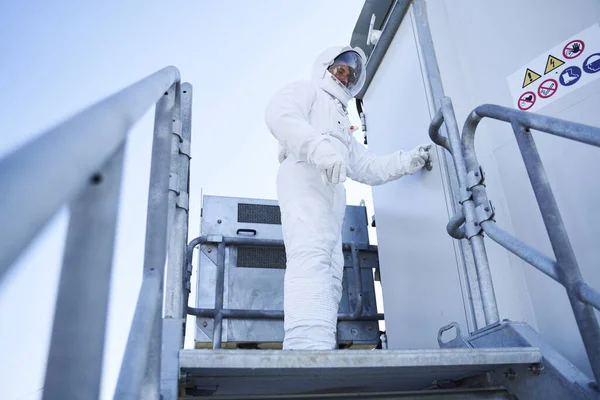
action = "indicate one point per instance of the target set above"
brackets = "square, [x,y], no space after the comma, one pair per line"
[274,372]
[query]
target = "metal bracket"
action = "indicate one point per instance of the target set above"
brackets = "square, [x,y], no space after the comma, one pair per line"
[472,229]
[214,238]
[177,129]
[475,178]
[465,195]
[185,148]
[456,343]
[174,182]
[485,212]
[183,200]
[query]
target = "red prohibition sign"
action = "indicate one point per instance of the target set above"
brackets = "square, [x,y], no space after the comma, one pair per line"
[547,88]
[526,101]
[573,49]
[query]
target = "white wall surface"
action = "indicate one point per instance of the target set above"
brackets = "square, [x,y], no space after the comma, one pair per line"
[478,44]
[421,286]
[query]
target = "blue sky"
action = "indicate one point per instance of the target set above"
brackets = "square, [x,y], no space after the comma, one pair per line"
[58,57]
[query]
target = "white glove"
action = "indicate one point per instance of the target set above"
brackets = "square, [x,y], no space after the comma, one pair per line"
[329,162]
[412,161]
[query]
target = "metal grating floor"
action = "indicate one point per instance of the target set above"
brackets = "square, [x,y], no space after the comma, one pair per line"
[274,372]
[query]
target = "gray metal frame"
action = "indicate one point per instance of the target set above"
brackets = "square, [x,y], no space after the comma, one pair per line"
[346,374]
[79,163]
[174,319]
[554,378]
[219,313]
[477,214]
[467,270]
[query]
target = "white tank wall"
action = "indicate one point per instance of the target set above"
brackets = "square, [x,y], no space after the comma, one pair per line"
[421,289]
[478,44]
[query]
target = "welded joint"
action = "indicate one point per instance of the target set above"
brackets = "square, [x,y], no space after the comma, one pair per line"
[185,148]
[177,129]
[476,177]
[174,182]
[183,200]
[485,212]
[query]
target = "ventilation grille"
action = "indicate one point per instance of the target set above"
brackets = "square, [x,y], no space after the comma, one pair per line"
[259,214]
[260,257]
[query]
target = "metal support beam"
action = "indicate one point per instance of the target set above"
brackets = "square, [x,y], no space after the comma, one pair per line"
[142,354]
[567,267]
[175,306]
[468,266]
[219,293]
[74,367]
[555,378]
[480,286]
[520,249]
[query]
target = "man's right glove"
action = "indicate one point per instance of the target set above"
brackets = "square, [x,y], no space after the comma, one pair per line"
[329,162]
[412,161]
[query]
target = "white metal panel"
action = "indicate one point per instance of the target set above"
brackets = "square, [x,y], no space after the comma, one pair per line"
[421,288]
[478,45]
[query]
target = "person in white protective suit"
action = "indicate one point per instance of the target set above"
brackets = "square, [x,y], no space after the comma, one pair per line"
[317,153]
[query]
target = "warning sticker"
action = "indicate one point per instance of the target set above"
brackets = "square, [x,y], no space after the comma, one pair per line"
[567,67]
[530,77]
[570,76]
[552,64]
[573,49]
[547,88]
[591,65]
[526,101]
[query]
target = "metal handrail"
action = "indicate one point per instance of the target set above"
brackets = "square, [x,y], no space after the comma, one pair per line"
[80,163]
[564,269]
[219,313]
[46,173]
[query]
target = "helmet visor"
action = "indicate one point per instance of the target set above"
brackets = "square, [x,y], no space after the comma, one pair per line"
[348,69]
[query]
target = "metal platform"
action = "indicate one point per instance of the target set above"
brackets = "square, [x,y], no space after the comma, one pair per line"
[231,373]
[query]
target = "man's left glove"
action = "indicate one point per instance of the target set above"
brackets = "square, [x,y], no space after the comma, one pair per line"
[410,162]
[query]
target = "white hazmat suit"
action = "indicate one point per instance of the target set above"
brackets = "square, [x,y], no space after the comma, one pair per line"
[317,151]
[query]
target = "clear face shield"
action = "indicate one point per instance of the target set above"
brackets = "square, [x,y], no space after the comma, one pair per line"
[349,70]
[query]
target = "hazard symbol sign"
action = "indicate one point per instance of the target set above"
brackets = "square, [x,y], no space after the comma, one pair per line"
[552,64]
[547,88]
[557,72]
[526,101]
[573,49]
[530,77]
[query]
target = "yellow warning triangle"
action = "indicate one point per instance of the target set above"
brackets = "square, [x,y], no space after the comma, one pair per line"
[552,63]
[530,76]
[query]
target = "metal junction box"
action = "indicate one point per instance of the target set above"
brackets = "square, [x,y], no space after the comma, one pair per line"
[253,274]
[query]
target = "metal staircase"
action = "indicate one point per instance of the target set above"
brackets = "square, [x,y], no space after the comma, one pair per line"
[80,163]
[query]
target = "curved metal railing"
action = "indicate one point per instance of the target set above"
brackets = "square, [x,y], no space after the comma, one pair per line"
[477,214]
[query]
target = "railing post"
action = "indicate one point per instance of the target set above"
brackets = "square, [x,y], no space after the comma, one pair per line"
[140,371]
[175,306]
[74,367]
[485,311]
[567,267]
